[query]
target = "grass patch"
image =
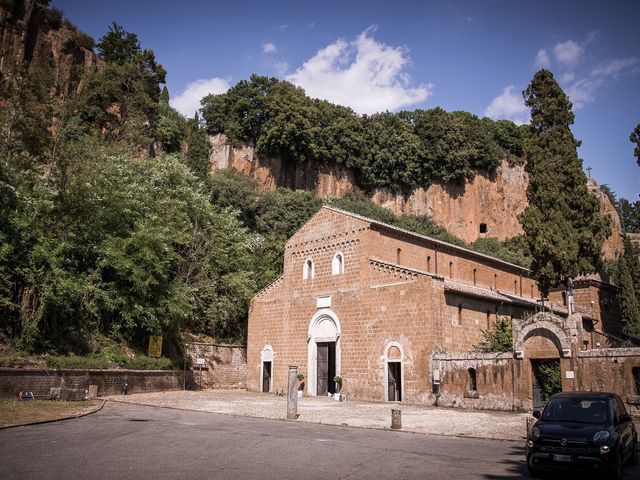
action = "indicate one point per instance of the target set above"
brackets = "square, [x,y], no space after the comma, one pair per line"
[16,412]
[97,361]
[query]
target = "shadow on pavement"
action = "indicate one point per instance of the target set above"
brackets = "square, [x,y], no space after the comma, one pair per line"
[516,466]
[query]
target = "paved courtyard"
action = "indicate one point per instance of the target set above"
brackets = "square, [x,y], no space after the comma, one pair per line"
[419,419]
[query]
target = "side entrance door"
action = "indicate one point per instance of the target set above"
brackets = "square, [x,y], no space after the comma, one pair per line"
[326,368]
[394,382]
[266,376]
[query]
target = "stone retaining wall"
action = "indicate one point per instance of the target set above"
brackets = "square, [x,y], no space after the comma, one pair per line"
[225,365]
[109,382]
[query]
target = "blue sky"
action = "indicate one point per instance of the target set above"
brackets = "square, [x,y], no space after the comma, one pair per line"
[372,56]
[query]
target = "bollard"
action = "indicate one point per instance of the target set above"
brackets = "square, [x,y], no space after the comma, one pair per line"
[396,419]
[292,393]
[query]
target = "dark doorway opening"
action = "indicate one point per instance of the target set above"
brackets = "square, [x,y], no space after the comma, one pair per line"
[394,381]
[326,368]
[483,228]
[547,380]
[266,376]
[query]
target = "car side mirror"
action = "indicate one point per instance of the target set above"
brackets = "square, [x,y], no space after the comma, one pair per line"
[625,417]
[536,414]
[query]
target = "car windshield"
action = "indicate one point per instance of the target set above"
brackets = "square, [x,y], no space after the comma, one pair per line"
[577,410]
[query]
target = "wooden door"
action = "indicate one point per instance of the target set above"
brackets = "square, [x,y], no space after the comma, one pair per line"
[266,376]
[394,382]
[323,369]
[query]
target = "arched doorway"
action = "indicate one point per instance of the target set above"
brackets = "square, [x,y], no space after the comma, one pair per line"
[266,369]
[394,380]
[543,341]
[323,352]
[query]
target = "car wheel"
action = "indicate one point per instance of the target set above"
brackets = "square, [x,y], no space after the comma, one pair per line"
[617,470]
[533,472]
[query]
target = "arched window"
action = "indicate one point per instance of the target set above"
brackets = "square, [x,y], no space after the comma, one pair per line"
[636,379]
[515,287]
[398,253]
[495,281]
[428,264]
[460,314]
[337,264]
[450,269]
[473,380]
[488,318]
[532,294]
[475,271]
[308,271]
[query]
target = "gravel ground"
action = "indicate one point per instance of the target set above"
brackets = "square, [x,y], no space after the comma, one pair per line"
[420,419]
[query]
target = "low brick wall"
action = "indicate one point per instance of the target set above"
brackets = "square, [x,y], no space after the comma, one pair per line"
[109,382]
[494,381]
[225,365]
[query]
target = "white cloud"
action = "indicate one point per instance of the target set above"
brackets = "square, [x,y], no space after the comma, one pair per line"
[269,47]
[188,102]
[568,53]
[364,74]
[583,90]
[283,28]
[510,105]
[567,77]
[613,68]
[281,67]
[542,59]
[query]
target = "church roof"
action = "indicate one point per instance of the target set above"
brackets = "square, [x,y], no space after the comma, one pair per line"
[418,236]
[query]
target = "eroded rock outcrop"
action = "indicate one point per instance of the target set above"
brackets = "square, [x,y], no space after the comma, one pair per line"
[28,39]
[487,206]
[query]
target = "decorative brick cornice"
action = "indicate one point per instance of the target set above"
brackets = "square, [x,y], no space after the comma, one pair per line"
[273,285]
[400,271]
[327,247]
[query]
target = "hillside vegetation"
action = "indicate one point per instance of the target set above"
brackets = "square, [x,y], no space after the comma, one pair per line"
[112,229]
[400,151]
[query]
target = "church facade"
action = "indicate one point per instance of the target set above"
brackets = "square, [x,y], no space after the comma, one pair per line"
[396,316]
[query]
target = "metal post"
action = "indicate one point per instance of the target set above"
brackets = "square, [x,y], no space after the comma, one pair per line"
[292,394]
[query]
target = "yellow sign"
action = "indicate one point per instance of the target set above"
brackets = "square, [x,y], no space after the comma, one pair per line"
[155,345]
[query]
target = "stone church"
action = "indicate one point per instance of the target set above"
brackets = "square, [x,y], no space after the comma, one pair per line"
[396,315]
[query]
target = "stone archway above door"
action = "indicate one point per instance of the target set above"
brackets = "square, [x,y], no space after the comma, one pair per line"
[563,332]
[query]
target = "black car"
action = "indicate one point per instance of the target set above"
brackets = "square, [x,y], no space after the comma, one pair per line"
[582,431]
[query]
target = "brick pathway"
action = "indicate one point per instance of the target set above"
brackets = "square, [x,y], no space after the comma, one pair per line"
[438,421]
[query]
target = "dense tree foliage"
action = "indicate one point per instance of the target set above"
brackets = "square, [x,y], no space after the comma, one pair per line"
[398,151]
[635,138]
[498,337]
[562,223]
[625,273]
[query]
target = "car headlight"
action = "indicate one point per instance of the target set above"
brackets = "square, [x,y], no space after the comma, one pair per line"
[535,433]
[601,437]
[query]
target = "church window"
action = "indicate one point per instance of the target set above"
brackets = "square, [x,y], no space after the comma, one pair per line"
[475,271]
[337,265]
[460,314]
[428,264]
[308,271]
[398,253]
[495,281]
[450,269]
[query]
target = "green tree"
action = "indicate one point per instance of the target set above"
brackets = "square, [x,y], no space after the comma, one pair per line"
[629,215]
[497,338]
[562,223]
[199,149]
[635,138]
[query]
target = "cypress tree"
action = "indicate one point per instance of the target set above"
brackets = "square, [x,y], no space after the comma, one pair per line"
[563,227]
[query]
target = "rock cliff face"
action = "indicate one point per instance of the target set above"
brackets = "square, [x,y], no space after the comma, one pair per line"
[27,38]
[487,206]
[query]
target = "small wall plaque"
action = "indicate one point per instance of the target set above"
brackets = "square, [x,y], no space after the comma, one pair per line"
[569,374]
[323,302]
